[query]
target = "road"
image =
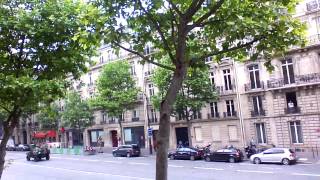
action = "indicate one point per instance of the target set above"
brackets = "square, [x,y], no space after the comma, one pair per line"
[106,167]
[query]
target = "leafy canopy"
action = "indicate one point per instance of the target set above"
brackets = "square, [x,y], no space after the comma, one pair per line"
[42,43]
[117,91]
[77,113]
[49,116]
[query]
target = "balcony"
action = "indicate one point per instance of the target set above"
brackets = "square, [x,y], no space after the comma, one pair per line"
[103,122]
[292,110]
[222,91]
[248,87]
[230,114]
[135,119]
[300,80]
[112,121]
[213,115]
[258,113]
[312,5]
[196,116]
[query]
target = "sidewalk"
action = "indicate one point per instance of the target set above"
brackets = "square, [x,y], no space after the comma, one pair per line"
[308,157]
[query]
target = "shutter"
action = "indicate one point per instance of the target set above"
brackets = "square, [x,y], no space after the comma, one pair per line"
[233,135]
[285,75]
[216,133]
[198,133]
[291,73]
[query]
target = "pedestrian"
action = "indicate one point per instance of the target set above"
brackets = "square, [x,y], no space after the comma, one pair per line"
[100,144]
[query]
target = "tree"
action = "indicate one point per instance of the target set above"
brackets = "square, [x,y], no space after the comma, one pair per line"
[42,43]
[196,91]
[77,113]
[188,31]
[49,116]
[117,91]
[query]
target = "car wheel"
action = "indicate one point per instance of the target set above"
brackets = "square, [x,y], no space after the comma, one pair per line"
[28,158]
[285,161]
[171,157]
[36,159]
[47,157]
[232,160]
[114,154]
[257,160]
[192,158]
[128,155]
[207,159]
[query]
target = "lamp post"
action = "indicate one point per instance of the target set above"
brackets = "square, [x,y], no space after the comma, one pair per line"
[149,137]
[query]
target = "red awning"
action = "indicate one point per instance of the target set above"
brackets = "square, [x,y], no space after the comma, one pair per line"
[51,133]
[39,135]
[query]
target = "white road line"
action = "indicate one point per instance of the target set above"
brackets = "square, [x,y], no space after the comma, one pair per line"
[208,168]
[303,159]
[136,163]
[86,172]
[177,166]
[75,159]
[116,162]
[245,164]
[265,172]
[304,164]
[302,174]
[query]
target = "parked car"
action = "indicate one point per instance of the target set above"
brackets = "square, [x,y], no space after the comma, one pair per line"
[11,147]
[37,153]
[186,153]
[254,150]
[127,150]
[23,147]
[275,155]
[231,155]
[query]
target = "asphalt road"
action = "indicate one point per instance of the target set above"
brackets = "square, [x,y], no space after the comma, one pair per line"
[106,167]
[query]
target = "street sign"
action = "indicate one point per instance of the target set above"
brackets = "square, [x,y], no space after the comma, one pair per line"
[149,132]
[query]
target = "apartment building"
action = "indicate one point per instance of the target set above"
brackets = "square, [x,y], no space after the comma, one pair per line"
[280,107]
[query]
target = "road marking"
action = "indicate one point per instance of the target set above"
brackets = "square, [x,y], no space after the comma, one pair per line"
[244,164]
[116,162]
[75,159]
[304,164]
[86,172]
[302,174]
[265,172]
[303,159]
[136,163]
[177,166]
[208,168]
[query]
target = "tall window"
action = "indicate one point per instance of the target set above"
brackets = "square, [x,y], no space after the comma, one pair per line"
[212,78]
[261,133]
[101,59]
[134,113]
[288,73]
[230,108]
[208,59]
[296,132]
[104,117]
[254,76]
[214,109]
[132,68]
[198,133]
[151,90]
[257,105]
[196,114]
[227,79]
[90,79]
[153,117]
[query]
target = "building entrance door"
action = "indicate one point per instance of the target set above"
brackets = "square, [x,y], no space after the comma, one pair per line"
[182,136]
[114,138]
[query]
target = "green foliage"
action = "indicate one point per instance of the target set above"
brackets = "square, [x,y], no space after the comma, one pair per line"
[76,112]
[117,91]
[195,93]
[42,43]
[49,116]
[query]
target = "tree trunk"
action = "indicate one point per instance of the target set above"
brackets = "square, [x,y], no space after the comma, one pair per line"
[189,132]
[164,126]
[8,127]
[121,130]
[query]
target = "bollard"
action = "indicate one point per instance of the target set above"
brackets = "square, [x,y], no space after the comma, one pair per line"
[317,150]
[312,152]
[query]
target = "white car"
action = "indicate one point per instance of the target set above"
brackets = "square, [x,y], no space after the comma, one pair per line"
[275,155]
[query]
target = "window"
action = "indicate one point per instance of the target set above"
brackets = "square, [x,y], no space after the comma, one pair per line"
[288,73]
[208,59]
[257,105]
[109,55]
[216,133]
[134,113]
[214,109]
[132,69]
[196,114]
[227,79]
[254,76]
[104,117]
[153,116]
[101,59]
[147,50]
[151,90]
[198,133]
[90,79]
[296,132]
[230,108]
[233,134]
[212,78]
[261,133]
[292,104]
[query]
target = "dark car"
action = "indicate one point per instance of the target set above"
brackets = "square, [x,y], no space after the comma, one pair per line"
[127,150]
[186,153]
[11,147]
[231,155]
[38,153]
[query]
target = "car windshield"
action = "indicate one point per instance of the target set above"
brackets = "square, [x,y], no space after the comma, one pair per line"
[291,151]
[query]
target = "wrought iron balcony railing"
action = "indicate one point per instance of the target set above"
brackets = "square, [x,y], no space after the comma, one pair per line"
[230,114]
[298,80]
[250,87]
[292,110]
[261,112]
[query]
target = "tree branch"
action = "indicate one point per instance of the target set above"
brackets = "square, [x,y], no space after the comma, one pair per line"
[143,57]
[175,8]
[233,48]
[193,8]
[158,28]
[212,11]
